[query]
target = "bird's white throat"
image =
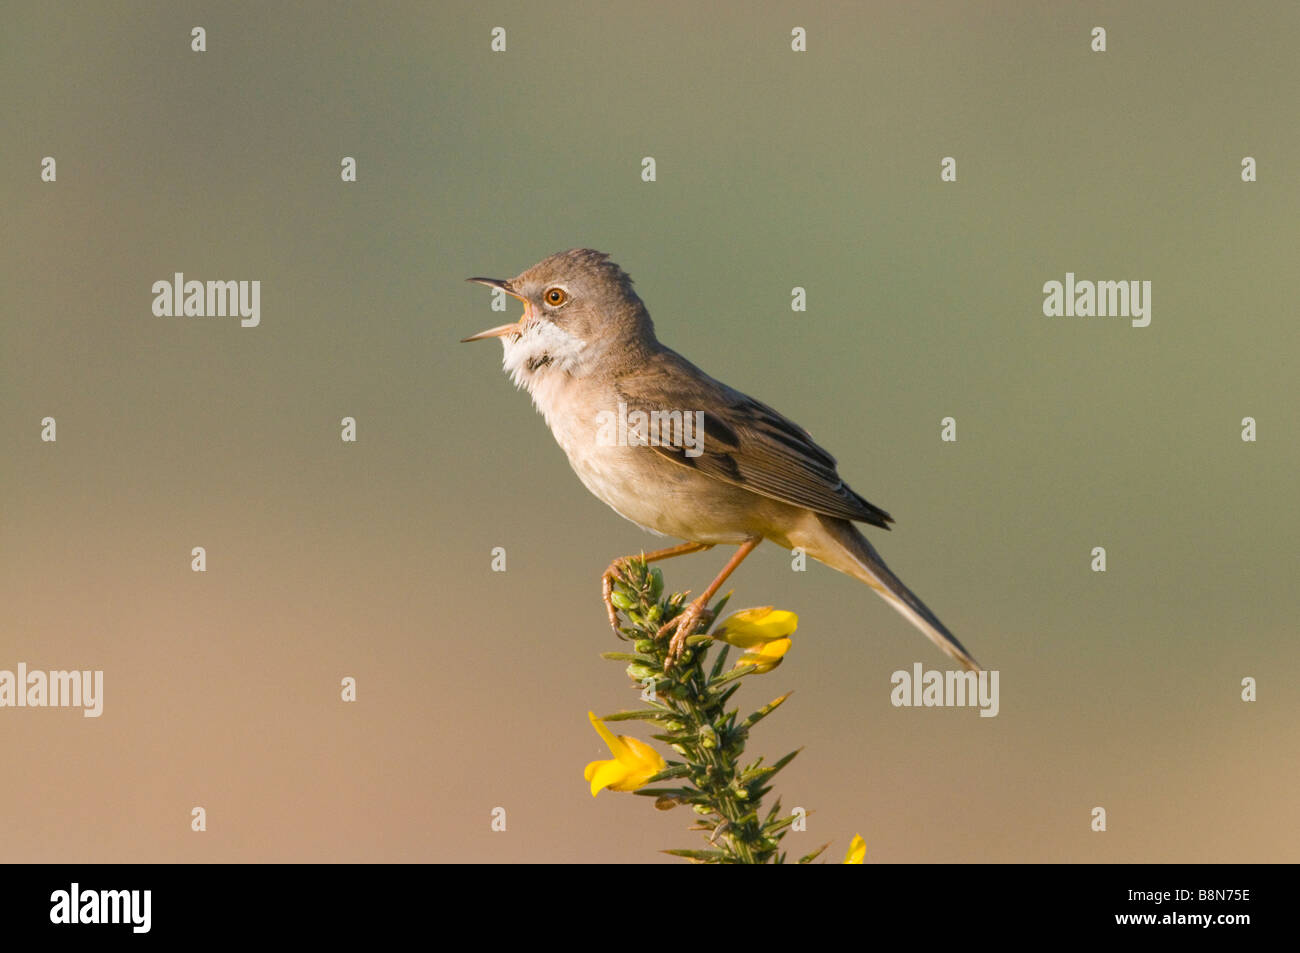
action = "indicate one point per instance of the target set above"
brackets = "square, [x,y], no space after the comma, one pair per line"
[543,350]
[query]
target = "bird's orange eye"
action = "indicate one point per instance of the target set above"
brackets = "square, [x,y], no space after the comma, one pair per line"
[556,297]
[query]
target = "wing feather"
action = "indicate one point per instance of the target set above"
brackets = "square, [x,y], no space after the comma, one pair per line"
[745,442]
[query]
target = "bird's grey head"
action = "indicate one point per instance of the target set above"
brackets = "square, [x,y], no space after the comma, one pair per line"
[581,316]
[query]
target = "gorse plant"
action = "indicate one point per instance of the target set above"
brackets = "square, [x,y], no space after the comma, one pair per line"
[687,702]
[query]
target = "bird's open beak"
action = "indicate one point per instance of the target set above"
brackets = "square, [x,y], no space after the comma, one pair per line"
[505,329]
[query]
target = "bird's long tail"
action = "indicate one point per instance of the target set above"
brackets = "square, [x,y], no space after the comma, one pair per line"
[852,554]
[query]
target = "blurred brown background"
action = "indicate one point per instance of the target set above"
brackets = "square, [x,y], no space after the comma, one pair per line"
[775,169]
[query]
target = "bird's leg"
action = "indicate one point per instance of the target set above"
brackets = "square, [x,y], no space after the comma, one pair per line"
[686,623]
[615,572]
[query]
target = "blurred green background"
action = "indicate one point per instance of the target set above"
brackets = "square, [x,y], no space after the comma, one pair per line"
[775,169]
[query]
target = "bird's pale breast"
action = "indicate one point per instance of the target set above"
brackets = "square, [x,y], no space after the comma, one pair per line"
[638,483]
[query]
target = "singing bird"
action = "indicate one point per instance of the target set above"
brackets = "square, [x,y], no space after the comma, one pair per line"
[585,349]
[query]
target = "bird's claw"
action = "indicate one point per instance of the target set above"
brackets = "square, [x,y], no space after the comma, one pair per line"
[615,573]
[685,626]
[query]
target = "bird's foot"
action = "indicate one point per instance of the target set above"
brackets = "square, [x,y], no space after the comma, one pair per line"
[615,573]
[684,626]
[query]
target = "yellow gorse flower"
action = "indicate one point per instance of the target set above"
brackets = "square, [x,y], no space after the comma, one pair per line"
[767,657]
[635,762]
[857,851]
[763,632]
[753,627]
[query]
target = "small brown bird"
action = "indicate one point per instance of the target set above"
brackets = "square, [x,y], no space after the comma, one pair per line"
[672,449]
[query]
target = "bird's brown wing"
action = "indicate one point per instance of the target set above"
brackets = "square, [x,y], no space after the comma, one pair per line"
[744,442]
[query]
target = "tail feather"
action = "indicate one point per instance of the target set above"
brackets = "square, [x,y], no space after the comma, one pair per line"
[861,561]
